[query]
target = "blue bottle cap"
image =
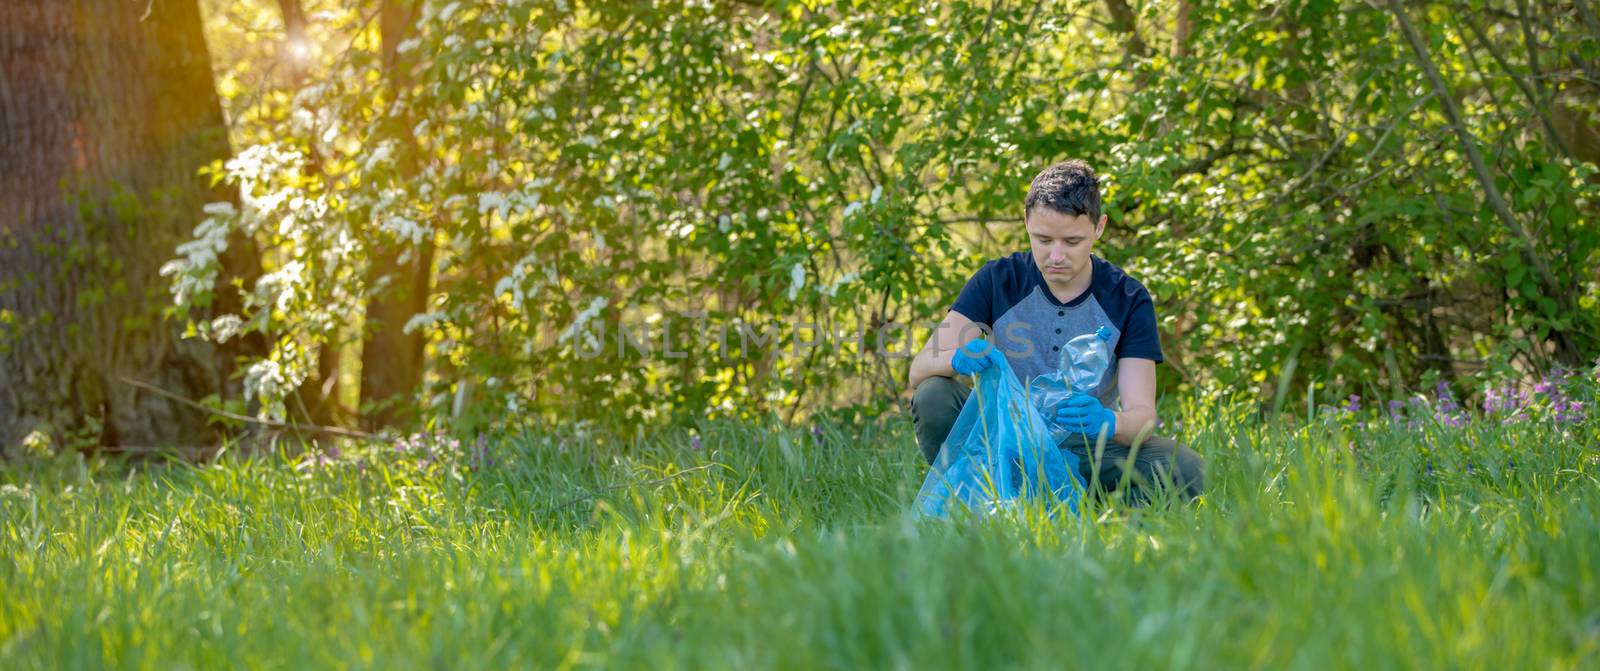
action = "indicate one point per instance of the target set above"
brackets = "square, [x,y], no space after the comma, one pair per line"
[1104,333]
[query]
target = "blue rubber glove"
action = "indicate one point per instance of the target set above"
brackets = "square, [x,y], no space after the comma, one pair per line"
[1082,413]
[975,357]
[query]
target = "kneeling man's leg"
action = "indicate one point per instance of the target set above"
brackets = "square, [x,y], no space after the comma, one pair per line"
[1157,463]
[934,409]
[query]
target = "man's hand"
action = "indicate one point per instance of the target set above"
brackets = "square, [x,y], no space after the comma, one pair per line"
[1082,413]
[975,357]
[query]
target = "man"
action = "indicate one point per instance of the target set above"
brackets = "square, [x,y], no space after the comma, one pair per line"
[1033,303]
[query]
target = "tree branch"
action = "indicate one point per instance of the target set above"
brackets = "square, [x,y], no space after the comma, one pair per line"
[1522,85]
[270,423]
[1469,146]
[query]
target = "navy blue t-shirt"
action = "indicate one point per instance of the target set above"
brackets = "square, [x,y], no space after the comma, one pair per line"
[1030,326]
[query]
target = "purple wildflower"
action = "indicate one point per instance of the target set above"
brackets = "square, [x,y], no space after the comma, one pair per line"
[694,441]
[318,459]
[1447,412]
[1353,405]
[1571,412]
[1563,408]
[1505,400]
[479,458]
[816,434]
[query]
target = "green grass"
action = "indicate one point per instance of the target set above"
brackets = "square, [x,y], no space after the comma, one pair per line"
[769,549]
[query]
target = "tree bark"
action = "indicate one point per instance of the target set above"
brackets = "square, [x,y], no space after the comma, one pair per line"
[1183,29]
[391,360]
[296,50]
[1125,21]
[107,111]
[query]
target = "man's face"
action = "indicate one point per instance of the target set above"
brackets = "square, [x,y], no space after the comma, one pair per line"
[1062,242]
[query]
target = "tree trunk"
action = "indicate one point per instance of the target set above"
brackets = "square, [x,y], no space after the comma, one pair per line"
[317,399]
[107,111]
[1124,20]
[391,360]
[1578,127]
[1183,29]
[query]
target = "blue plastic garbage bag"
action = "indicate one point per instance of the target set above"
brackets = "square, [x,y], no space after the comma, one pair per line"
[998,452]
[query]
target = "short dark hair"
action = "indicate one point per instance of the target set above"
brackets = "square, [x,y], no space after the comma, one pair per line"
[1069,187]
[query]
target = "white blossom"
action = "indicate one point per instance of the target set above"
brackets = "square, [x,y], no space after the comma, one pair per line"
[260,161]
[269,382]
[422,321]
[495,201]
[833,287]
[517,281]
[595,306]
[404,228]
[378,156]
[194,272]
[797,280]
[278,287]
[226,327]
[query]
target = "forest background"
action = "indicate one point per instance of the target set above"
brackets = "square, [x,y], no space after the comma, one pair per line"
[397,214]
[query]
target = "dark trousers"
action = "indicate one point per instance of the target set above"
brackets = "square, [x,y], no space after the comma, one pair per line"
[1156,462]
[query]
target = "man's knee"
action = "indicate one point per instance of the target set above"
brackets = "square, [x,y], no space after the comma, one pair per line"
[934,407]
[1166,460]
[1189,470]
[1185,467]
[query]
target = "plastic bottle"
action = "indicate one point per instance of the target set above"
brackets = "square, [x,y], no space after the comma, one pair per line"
[1083,363]
[1085,360]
